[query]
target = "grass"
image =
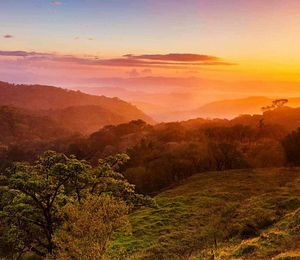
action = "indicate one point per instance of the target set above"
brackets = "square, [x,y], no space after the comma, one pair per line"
[245,214]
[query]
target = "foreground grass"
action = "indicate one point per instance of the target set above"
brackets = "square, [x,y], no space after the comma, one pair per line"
[246,214]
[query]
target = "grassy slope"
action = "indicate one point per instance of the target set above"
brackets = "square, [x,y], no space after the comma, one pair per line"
[250,214]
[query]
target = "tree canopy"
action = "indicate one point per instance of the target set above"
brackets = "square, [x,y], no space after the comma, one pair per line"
[32,197]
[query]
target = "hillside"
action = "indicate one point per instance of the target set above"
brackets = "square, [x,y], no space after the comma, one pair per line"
[245,214]
[52,99]
[236,107]
[286,117]
[85,119]
[20,126]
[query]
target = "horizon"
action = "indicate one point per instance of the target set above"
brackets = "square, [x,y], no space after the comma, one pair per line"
[154,54]
[149,129]
[231,108]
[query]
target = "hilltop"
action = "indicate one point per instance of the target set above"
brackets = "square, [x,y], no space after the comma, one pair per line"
[75,110]
[231,108]
[245,214]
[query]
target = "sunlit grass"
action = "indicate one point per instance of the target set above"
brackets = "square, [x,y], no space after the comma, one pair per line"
[247,211]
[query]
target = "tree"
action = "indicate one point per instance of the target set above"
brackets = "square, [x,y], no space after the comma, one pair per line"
[88,227]
[266,153]
[291,145]
[277,103]
[227,156]
[32,197]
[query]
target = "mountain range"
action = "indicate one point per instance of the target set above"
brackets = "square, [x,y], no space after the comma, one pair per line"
[186,100]
[72,110]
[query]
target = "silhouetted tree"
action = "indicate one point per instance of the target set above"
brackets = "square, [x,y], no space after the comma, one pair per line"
[277,103]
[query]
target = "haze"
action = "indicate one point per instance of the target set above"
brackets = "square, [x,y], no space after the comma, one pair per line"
[149,129]
[162,56]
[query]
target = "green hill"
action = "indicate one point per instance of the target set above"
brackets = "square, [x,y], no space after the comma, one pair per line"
[243,214]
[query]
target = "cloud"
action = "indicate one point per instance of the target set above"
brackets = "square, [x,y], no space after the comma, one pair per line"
[181,57]
[126,61]
[8,36]
[136,73]
[133,73]
[147,71]
[22,53]
[55,3]
[84,38]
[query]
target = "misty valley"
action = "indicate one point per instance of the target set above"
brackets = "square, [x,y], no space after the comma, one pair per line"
[91,177]
[149,130]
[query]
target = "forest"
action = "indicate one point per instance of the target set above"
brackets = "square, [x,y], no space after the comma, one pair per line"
[72,190]
[149,130]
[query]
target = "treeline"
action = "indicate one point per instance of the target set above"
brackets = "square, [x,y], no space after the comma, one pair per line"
[174,152]
[165,153]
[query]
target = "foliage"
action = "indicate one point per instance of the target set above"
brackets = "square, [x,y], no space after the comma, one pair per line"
[32,196]
[291,144]
[277,103]
[88,227]
[167,153]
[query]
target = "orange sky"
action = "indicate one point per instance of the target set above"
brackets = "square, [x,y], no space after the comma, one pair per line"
[43,41]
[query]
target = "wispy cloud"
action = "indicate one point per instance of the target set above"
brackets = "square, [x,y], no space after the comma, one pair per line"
[22,53]
[84,38]
[183,57]
[147,71]
[166,61]
[55,2]
[133,73]
[8,36]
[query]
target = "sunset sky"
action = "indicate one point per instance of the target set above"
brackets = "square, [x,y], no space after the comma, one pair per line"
[70,41]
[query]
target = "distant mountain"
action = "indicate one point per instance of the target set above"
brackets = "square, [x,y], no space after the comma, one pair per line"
[177,98]
[72,109]
[235,107]
[287,118]
[232,108]
[172,106]
[159,104]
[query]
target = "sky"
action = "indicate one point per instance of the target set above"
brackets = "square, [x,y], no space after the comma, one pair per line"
[70,42]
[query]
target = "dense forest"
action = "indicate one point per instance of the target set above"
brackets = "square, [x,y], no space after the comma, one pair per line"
[161,154]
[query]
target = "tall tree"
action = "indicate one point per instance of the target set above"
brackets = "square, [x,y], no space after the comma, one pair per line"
[32,197]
